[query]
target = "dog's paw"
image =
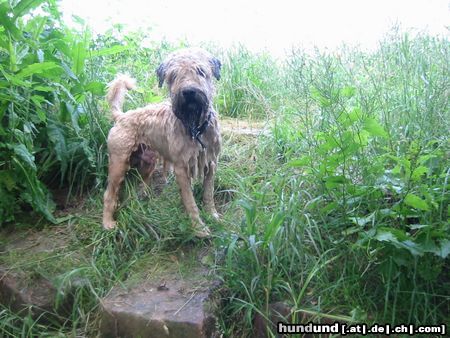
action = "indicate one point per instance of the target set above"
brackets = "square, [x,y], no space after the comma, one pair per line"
[109,225]
[213,212]
[202,233]
[200,229]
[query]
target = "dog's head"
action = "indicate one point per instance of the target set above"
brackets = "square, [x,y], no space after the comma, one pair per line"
[189,76]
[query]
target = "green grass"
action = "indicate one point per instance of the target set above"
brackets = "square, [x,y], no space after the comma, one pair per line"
[341,210]
[88,261]
[251,86]
[347,212]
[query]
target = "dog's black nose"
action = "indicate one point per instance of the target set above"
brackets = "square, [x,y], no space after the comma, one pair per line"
[188,92]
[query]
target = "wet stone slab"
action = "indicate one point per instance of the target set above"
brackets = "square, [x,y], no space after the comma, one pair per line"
[175,308]
[20,295]
[23,288]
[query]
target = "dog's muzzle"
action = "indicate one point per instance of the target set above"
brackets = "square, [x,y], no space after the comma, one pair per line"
[191,106]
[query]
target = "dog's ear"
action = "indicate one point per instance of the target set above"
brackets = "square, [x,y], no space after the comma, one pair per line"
[216,65]
[161,73]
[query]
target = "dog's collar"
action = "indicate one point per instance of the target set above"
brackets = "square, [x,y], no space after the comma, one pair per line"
[198,131]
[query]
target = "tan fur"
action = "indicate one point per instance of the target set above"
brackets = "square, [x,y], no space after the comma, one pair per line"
[182,71]
[116,93]
[157,127]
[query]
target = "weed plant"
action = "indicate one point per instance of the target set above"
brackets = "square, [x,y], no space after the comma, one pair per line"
[341,211]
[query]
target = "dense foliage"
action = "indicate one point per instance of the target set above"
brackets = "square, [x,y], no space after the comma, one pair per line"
[53,82]
[344,201]
[355,208]
[49,132]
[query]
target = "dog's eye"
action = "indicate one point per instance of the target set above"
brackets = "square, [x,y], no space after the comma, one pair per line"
[201,72]
[172,77]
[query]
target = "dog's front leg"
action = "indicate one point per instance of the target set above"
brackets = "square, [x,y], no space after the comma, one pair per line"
[184,181]
[118,166]
[208,190]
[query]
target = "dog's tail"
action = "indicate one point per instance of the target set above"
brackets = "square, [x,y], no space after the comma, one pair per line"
[116,93]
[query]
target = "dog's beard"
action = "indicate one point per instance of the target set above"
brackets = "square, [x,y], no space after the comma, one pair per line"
[191,111]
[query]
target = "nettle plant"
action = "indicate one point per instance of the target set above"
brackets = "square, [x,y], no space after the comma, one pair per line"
[50,127]
[413,222]
[388,196]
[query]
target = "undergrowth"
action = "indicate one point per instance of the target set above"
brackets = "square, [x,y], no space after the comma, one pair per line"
[340,210]
[351,222]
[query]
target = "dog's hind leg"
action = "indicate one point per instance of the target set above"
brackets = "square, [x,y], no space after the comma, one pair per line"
[184,182]
[118,166]
[167,167]
[208,190]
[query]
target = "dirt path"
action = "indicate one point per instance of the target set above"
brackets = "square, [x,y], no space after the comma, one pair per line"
[241,127]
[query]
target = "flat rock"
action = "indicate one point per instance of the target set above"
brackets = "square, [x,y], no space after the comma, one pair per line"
[21,294]
[177,307]
[22,288]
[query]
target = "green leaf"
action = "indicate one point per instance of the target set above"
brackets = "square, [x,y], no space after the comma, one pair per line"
[37,68]
[416,202]
[7,179]
[418,226]
[79,56]
[334,181]
[444,248]
[22,152]
[385,236]
[349,118]
[419,172]
[9,24]
[348,91]
[320,98]
[154,98]
[65,111]
[300,162]
[273,226]
[75,114]
[361,221]
[329,144]
[361,138]
[399,239]
[329,208]
[41,115]
[397,233]
[56,136]
[440,248]
[37,100]
[250,214]
[36,26]
[44,88]
[95,87]
[24,6]
[374,128]
[15,80]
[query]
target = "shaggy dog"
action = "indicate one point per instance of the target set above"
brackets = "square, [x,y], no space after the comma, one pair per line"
[183,132]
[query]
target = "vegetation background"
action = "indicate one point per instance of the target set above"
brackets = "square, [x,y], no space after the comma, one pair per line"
[339,207]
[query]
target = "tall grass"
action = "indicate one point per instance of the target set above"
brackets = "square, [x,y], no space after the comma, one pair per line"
[251,85]
[341,211]
[351,219]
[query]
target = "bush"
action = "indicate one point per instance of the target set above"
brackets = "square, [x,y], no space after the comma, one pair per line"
[51,130]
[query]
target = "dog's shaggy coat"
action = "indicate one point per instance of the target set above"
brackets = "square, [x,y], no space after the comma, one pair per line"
[157,127]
